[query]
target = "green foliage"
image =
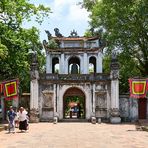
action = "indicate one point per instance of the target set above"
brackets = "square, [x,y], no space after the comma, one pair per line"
[76,99]
[16,41]
[106,63]
[14,12]
[125,29]
[3,51]
[88,33]
[52,44]
[128,69]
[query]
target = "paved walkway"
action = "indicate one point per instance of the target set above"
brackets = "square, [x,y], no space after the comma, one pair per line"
[76,135]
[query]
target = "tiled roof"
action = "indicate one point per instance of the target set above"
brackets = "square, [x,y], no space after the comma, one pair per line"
[74,39]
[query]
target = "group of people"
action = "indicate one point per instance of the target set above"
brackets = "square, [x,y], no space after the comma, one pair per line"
[17,119]
[76,109]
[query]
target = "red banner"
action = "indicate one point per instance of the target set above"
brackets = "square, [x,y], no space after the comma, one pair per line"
[138,88]
[10,89]
[1,88]
[147,84]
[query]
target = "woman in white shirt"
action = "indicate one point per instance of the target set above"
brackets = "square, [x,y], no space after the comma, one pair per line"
[22,119]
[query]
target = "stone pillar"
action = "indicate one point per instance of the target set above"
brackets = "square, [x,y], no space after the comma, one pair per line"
[62,44]
[85,45]
[66,66]
[115,94]
[34,94]
[48,63]
[81,65]
[99,63]
[62,67]
[94,98]
[114,112]
[85,71]
[34,90]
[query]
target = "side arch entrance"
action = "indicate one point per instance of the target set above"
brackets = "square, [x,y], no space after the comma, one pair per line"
[74,104]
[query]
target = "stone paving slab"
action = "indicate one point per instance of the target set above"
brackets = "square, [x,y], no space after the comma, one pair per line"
[76,135]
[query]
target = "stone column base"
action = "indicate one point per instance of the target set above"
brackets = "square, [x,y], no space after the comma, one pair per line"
[55,120]
[34,116]
[93,120]
[115,120]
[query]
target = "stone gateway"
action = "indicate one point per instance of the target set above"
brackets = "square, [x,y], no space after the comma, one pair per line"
[74,85]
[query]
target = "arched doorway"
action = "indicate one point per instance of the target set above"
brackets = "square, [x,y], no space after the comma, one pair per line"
[74,65]
[92,64]
[55,65]
[74,104]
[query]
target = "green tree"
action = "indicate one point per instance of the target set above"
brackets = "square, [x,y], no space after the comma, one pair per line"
[125,28]
[16,41]
[3,51]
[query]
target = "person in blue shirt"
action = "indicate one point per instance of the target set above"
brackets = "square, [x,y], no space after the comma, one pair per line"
[10,117]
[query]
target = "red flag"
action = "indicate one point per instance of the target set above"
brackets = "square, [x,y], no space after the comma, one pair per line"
[147,84]
[138,88]
[1,88]
[11,88]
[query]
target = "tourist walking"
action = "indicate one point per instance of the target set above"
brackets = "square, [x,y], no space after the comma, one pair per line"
[22,119]
[10,117]
[16,119]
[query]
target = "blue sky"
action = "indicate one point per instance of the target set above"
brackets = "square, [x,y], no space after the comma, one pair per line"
[66,15]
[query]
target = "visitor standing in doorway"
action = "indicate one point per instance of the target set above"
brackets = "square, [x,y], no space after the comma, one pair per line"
[79,110]
[10,117]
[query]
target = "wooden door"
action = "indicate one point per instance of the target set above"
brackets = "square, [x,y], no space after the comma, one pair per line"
[142,105]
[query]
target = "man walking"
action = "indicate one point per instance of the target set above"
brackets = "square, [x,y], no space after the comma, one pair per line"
[10,117]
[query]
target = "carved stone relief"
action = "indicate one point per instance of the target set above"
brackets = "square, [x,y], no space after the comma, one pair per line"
[47,99]
[47,87]
[101,87]
[34,74]
[101,101]
[115,74]
[34,115]
[101,105]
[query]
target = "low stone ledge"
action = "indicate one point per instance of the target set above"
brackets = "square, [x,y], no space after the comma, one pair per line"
[47,109]
[115,120]
[3,127]
[144,128]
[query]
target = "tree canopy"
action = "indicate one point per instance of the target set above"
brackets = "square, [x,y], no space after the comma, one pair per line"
[15,41]
[125,29]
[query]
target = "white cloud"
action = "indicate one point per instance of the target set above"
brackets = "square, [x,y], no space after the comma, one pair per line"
[67,15]
[70,9]
[77,14]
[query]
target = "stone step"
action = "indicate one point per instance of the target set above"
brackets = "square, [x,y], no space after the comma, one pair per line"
[2,127]
[143,122]
[46,120]
[74,120]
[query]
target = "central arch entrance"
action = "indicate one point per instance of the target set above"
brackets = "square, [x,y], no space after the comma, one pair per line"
[74,104]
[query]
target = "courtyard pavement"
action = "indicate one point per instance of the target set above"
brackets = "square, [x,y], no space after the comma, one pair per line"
[76,135]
